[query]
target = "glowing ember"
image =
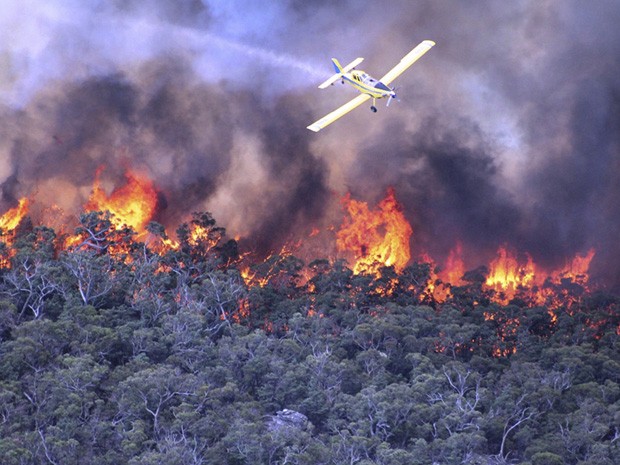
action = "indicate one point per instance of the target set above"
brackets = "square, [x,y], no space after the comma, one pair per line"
[271,270]
[243,311]
[375,238]
[132,204]
[11,219]
[73,241]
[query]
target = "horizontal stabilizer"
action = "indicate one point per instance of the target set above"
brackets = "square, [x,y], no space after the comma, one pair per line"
[337,76]
[352,65]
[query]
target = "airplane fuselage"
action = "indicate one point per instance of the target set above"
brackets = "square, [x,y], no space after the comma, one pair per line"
[366,84]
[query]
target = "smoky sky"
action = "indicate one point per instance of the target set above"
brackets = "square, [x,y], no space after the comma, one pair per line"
[505,132]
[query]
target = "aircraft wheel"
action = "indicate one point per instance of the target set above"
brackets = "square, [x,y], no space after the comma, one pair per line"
[373,109]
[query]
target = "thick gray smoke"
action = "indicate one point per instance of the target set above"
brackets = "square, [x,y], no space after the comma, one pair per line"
[506,132]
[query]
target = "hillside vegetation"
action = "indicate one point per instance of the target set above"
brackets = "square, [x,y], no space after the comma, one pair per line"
[116,350]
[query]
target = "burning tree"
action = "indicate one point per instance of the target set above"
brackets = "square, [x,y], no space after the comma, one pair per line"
[117,229]
[375,238]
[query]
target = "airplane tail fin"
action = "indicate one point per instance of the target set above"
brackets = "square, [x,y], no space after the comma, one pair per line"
[340,70]
[337,66]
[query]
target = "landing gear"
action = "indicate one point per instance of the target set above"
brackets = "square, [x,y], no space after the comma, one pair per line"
[373,108]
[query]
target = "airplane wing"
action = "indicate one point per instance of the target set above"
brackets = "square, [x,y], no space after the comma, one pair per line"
[407,61]
[338,112]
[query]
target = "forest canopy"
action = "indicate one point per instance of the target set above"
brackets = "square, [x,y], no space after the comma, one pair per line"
[118,349]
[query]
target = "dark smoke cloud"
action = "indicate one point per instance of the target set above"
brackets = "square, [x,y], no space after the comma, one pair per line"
[299,176]
[182,133]
[507,131]
[446,179]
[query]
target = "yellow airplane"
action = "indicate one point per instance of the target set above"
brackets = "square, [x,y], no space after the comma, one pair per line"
[367,85]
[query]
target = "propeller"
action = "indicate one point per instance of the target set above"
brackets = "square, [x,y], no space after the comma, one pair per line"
[392,95]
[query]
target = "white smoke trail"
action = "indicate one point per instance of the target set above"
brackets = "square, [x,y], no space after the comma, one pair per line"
[202,41]
[270,57]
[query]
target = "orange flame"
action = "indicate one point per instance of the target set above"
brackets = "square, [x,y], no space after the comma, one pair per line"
[449,275]
[11,219]
[199,234]
[372,238]
[507,275]
[132,204]
[455,267]
[577,268]
[375,238]
[8,222]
